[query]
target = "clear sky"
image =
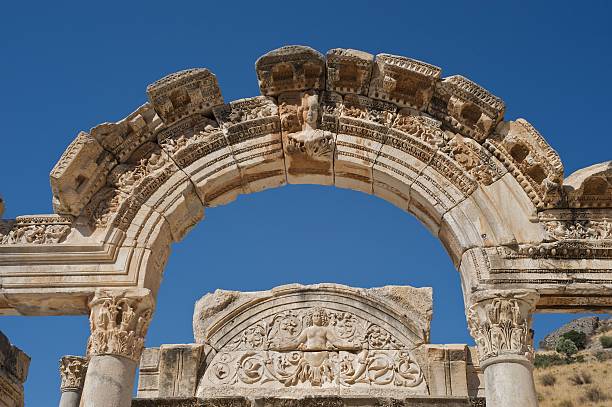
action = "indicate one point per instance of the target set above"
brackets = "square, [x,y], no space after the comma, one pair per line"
[66,67]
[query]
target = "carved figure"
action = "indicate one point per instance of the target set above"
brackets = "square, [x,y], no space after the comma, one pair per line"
[311,140]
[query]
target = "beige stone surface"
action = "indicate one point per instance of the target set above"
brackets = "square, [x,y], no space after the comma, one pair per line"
[437,148]
[14,364]
[313,340]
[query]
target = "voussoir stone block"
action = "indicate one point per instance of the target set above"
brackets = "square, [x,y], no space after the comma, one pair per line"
[466,107]
[290,68]
[403,81]
[184,93]
[349,71]
[79,174]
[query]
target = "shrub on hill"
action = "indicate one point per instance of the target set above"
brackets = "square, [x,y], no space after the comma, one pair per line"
[579,338]
[567,347]
[606,341]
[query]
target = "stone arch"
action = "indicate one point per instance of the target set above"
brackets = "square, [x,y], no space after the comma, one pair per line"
[491,190]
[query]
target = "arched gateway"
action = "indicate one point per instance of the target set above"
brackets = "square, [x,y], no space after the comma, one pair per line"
[493,191]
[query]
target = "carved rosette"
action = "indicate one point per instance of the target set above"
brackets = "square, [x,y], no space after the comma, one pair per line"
[72,371]
[500,324]
[119,323]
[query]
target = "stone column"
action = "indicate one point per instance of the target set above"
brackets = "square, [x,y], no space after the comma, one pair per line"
[500,324]
[119,321]
[72,371]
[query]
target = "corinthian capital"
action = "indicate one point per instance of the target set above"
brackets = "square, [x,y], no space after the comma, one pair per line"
[500,322]
[72,371]
[119,321]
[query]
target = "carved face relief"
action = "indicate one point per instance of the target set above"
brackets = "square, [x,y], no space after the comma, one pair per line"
[315,347]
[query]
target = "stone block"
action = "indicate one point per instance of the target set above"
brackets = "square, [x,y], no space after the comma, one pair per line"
[403,81]
[184,93]
[349,71]
[14,366]
[290,68]
[466,107]
[252,128]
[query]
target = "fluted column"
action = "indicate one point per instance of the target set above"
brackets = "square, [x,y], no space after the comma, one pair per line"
[72,371]
[119,320]
[500,323]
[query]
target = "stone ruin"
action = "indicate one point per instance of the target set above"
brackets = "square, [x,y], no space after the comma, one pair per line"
[336,343]
[523,237]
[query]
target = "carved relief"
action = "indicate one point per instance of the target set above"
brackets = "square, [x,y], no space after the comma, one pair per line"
[579,229]
[125,136]
[349,71]
[42,229]
[403,81]
[300,117]
[590,187]
[315,347]
[466,107]
[290,68]
[72,371]
[130,184]
[184,93]
[477,161]
[119,323]
[79,174]
[501,325]
[534,164]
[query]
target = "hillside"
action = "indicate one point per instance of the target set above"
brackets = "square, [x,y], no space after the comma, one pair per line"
[582,379]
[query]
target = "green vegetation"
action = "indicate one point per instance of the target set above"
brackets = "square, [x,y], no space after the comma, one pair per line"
[567,347]
[579,338]
[606,341]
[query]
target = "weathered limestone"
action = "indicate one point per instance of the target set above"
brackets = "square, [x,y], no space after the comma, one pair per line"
[14,365]
[437,148]
[295,342]
[492,191]
[500,323]
[403,81]
[119,322]
[290,68]
[72,371]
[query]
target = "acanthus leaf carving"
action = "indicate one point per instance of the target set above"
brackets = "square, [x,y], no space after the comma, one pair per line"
[500,324]
[119,323]
[72,372]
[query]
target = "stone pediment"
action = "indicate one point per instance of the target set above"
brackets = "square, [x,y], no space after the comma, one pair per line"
[319,339]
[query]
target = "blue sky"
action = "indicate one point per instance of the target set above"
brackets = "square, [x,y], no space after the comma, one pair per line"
[67,66]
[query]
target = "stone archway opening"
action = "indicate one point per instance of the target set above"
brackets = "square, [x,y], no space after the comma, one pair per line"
[492,191]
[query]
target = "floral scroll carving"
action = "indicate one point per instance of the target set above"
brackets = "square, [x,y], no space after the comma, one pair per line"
[72,371]
[315,347]
[44,229]
[119,324]
[501,325]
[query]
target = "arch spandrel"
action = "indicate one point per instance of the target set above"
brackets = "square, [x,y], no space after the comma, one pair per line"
[488,189]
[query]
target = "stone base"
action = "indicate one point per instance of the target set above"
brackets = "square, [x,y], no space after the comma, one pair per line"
[327,401]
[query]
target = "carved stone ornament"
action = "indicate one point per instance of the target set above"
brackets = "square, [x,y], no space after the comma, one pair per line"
[313,343]
[41,229]
[72,371]
[119,322]
[501,324]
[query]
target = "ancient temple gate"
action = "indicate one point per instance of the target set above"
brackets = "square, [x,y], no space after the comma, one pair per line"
[523,238]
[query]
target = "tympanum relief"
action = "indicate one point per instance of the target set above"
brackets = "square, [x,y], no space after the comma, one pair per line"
[315,347]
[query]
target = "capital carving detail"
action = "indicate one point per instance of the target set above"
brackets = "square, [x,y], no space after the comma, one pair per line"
[72,371]
[119,323]
[500,324]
